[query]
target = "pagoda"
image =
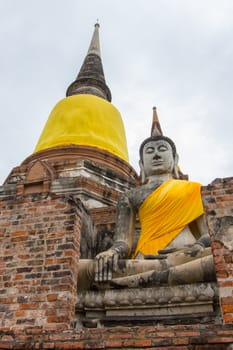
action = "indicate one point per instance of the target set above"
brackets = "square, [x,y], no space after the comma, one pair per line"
[58,206]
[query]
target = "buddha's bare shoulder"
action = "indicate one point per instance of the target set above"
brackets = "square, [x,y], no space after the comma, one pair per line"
[138,194]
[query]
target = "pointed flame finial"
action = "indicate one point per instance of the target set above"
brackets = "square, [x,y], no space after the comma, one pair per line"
[155,128]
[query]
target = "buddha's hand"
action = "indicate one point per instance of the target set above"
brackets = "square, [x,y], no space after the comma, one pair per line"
[104,264]
[163,254]
[194,250]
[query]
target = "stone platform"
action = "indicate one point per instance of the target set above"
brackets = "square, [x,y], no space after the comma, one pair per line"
[98,308]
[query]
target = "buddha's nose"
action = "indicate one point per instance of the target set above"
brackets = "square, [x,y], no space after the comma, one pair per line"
[156,156]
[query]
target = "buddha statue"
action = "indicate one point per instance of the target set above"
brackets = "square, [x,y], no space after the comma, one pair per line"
[173,245]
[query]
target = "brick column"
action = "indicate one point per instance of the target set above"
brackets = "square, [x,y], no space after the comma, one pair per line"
[38,262]
[218,201]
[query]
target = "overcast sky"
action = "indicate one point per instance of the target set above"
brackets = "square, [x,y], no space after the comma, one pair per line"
[175,54]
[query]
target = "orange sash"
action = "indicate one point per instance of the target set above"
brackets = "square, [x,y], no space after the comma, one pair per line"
[166,212]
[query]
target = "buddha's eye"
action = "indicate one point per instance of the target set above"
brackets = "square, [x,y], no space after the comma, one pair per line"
[162,148]
[149,150]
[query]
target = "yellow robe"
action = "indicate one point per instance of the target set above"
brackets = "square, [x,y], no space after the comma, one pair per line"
[166,212]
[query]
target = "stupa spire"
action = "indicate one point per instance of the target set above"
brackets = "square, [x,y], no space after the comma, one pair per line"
[94,47]
[90,79]
[155,128]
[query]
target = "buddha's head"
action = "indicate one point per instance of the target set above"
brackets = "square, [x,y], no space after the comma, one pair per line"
[158,156]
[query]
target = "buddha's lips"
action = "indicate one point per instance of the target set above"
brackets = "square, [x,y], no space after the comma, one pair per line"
[157,162]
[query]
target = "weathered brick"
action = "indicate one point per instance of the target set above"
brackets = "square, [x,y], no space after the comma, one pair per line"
[57,319]
[228,318]
[28,306]
[19,239]
[52,297]
[228,259]
[49,346]
[113,344]
[187,334]
[227,300]
[7,338]
[19,233]
[53,267]
[220,340]
[165,334]
[180,341]
[143,343]
[62,273]
[221,274]
[25,320]
[4,345]
[216,245]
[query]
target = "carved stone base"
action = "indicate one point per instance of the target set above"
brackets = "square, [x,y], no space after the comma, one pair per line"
[96,308]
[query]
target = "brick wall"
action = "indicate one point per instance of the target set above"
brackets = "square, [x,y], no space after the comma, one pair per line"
[39,261]
[218,200]
[192,337]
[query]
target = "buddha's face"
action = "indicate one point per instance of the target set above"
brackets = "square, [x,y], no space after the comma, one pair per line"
[157,158]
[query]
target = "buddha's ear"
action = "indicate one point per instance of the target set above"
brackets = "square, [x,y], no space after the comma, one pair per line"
[176,167]
[142,172]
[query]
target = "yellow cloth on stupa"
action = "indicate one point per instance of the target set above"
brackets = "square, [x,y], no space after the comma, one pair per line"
[85,120]
[166,212]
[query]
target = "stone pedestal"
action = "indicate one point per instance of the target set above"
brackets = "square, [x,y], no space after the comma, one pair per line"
[184,302]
